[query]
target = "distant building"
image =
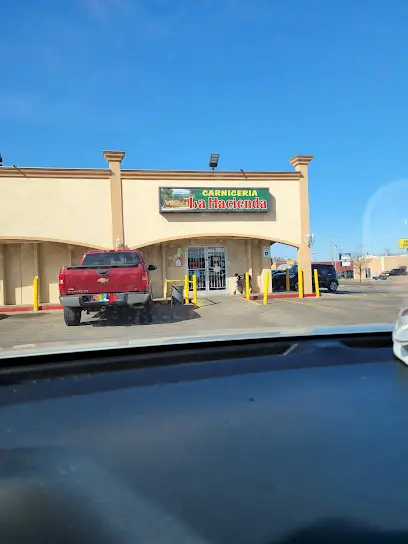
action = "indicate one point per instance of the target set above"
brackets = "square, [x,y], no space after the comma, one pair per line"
[383,263]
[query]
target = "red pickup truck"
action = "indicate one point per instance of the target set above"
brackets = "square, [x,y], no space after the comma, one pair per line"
[107,282]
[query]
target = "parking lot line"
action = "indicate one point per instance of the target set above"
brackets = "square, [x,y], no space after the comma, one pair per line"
[317,305]
[253,301]
[381,305]
[349,295]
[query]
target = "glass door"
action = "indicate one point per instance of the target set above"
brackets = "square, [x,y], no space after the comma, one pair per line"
[216,278]
[196,266]
[208,265]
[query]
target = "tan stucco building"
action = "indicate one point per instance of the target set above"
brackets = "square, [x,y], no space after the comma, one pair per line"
[380,263]
[209,223]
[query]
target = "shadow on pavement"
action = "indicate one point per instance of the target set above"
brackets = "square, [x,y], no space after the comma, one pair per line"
[24,315]
[161,314]
[208,302]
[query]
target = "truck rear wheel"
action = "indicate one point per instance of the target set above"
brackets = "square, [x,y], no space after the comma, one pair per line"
[72,316]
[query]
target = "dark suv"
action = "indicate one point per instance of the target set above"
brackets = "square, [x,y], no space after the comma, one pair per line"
[401,271]
[326,273]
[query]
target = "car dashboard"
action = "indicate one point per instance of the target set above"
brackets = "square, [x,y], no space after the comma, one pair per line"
[273,440]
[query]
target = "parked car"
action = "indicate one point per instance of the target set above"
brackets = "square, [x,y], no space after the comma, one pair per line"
[326,274]
[402,271]
[345,275]
[107,282]
[381,276]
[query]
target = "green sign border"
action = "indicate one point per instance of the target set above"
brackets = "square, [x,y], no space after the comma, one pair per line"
[248,210]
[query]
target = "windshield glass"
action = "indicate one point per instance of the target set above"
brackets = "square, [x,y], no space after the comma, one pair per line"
[174,129]
[111,259]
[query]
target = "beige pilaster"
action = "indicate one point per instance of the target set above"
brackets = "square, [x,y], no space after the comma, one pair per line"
[257,266]
[114,159]
[69,255]
[36,267]
[36,260]
[163,268]
[301,164]
[266,266]
[249,256]
[2,277]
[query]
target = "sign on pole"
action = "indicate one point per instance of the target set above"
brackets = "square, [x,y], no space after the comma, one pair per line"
[403,243]
[345,259]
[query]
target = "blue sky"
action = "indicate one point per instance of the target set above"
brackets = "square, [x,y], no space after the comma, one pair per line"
[171,81]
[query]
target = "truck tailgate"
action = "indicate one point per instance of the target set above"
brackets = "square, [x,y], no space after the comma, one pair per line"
[105,280]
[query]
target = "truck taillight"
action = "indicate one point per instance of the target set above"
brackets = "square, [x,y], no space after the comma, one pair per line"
[61,283]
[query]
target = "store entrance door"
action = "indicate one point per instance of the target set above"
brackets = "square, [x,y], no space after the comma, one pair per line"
[209,265]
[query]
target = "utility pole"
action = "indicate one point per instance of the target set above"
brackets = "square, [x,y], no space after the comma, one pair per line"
[331,249]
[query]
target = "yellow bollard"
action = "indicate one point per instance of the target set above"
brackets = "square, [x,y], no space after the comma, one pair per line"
[247,285]
[186,289]
[195,301]
[266,288]
[287,280]
[35,292]
[300,282]
[316,282]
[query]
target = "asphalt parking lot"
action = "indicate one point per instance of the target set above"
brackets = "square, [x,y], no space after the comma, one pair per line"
[354,304]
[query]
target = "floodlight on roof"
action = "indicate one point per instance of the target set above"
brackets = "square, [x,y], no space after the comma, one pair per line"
[214,160]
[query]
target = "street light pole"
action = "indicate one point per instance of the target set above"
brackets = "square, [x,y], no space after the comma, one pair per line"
[331,249]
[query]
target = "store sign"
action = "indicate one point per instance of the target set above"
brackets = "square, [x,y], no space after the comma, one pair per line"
[203,199]
[345,259]
[403,243]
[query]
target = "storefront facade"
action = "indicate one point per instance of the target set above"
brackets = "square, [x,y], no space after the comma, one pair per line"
[210,224]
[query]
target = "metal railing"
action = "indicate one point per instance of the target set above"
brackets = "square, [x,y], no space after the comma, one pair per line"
[266,290]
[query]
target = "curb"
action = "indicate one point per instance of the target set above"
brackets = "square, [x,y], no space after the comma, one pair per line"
[16,309]
[253,298]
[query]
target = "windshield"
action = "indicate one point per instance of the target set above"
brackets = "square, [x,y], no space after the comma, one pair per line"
[227,142]
[111,259]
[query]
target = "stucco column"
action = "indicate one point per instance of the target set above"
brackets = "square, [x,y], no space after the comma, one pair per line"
[249,257]
[266,266]
[163,268]
[36,267]
[36,260]
[2,277]
[69,255]
[114,159]
[301,164]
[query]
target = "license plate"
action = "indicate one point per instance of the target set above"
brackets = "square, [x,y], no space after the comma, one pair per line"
[103,297]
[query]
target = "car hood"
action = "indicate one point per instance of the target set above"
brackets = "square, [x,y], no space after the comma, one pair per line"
[259,333]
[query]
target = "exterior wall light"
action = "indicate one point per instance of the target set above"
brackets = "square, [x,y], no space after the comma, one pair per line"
[310,240]
[214,160]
